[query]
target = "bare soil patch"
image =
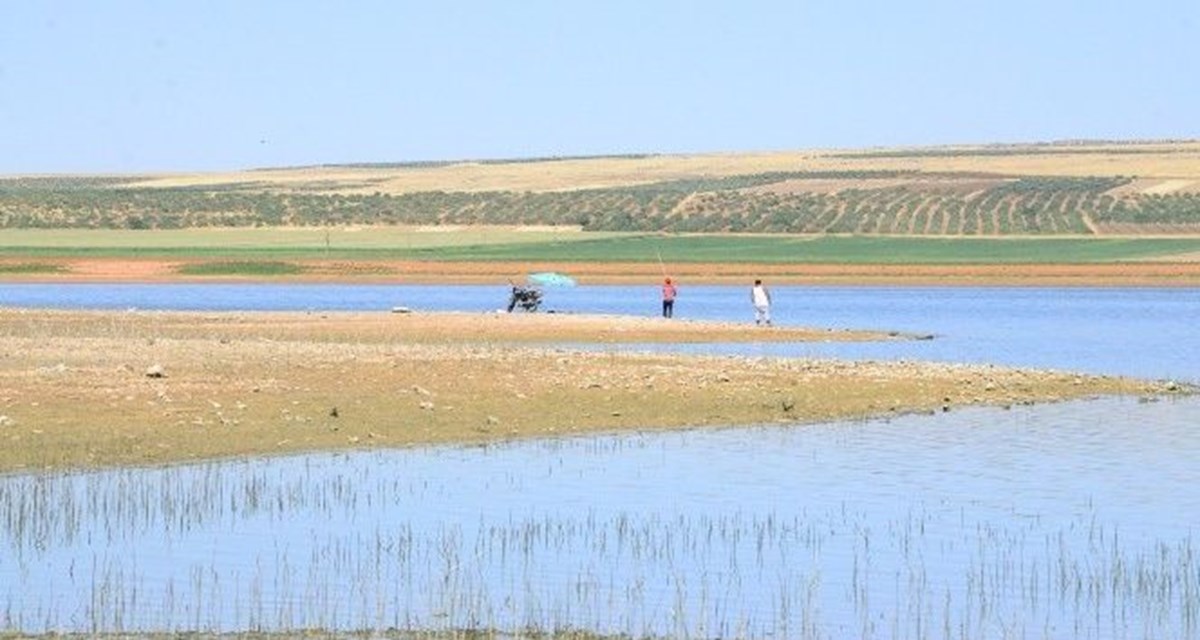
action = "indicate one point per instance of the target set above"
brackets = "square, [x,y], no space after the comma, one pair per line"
[1148,230]
[83,389]
[1183,270]
[1158,186]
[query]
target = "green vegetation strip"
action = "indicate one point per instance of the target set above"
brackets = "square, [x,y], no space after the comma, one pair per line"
[305,239]
[30,268]
[826,249]
[269,259]
[241,268]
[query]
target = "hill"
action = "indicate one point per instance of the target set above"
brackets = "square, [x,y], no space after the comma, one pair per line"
[1068,188]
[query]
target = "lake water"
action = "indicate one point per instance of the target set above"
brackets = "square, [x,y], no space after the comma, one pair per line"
[1140,332]
[1073,520]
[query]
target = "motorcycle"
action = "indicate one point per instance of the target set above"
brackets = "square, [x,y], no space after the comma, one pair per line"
[524,298]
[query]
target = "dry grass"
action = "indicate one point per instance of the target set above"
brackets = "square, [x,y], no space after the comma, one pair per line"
[1173,164]
[1158,186]
[1179,161]
[74,389]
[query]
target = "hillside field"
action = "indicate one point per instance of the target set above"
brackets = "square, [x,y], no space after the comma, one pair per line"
[1073,203]
[1084,189]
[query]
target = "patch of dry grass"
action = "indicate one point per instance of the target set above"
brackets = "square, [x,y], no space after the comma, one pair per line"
[1173,160]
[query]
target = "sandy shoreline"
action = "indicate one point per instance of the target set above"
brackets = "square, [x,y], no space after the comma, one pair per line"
[1148,273]
[85,389]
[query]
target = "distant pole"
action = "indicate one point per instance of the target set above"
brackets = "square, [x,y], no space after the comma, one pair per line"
[326,242]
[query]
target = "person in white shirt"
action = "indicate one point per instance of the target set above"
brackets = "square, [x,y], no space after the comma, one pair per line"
[761,299]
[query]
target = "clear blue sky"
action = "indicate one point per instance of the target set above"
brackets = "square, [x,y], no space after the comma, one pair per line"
[152,85]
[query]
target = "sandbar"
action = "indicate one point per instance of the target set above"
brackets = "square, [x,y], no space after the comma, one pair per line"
[90,389]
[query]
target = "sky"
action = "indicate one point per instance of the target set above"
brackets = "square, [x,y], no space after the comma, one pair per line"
[128,86]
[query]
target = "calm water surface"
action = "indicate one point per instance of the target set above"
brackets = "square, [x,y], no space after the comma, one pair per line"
[1075,520]
[1140,332]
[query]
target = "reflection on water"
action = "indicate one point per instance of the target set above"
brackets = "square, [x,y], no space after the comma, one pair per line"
[1071,520]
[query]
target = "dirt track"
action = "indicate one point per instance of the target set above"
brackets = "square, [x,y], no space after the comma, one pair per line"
[1119,274]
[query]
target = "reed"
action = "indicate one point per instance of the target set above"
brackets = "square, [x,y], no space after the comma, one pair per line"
[352,544]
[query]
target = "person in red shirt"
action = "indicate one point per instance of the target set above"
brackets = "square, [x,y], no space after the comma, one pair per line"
[668,298]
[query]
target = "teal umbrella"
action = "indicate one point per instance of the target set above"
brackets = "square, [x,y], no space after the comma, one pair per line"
[551,279]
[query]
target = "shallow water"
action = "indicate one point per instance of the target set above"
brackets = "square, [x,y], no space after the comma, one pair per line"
[1139,332]
[1074,520]
[1070,520]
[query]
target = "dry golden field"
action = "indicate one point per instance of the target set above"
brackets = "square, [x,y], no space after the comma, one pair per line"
[1172,166]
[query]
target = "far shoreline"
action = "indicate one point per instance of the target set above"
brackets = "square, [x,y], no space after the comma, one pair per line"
[1172,274]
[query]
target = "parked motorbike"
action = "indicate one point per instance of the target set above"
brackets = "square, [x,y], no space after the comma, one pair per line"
[524,298]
